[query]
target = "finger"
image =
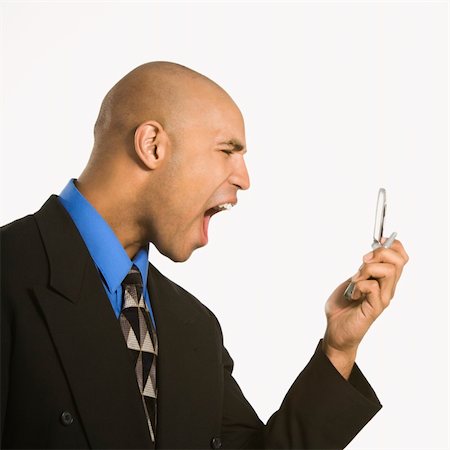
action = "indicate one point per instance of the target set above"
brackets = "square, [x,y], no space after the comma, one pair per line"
[398,247]
[386,255]
[384,273]
[378,270]
[383,254]
[372,304]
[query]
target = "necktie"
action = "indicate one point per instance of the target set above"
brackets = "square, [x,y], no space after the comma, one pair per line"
[140,336]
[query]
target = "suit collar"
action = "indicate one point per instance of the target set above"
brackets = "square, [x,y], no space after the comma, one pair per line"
[65,248]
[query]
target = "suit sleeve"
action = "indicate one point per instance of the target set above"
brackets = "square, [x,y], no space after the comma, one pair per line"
[320,411]
[5,329]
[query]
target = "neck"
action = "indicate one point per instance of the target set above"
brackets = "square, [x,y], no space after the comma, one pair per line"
[108,201]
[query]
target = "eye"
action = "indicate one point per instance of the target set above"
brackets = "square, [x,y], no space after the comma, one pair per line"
[227,152]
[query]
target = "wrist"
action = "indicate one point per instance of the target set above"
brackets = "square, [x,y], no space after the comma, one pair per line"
[342,359]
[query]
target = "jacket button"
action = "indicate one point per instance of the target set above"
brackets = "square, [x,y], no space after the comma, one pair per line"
[216,442]
[66,418]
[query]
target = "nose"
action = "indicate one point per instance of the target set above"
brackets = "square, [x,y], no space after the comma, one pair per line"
[240,177]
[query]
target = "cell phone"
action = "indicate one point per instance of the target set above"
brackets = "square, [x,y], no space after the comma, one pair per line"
[380,214]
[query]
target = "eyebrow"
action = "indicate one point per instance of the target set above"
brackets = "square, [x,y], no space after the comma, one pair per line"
[237,146]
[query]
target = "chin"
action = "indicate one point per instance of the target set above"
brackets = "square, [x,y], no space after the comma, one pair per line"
[176,256]
[179,251]
[179,258]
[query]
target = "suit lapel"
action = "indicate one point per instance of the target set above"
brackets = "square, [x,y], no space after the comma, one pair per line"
[87,337]
[188,370]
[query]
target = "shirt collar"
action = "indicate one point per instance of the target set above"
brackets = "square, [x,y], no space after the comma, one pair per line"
[106,250]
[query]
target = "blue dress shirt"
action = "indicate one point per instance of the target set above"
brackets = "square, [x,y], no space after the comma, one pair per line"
[109,256]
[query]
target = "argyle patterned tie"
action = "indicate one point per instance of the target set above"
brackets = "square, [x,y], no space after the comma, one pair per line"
[140,336]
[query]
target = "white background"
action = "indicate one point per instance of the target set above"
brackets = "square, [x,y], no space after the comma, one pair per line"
[339,99]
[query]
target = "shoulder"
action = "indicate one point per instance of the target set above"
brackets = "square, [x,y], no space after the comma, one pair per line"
[19,236]
[22,231]
[24,259]
[23,264]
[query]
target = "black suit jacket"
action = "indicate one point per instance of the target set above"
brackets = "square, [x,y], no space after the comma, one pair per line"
[67,382]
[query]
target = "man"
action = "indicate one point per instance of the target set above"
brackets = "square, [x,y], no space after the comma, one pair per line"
[100,350]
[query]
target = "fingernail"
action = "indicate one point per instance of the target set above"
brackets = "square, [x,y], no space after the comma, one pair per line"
[355,277]
[355,294]
[368,257]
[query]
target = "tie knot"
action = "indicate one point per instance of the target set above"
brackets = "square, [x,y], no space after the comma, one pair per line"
[133,277]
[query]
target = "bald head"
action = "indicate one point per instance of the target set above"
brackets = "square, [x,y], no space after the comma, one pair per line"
[169,93]
[169,146]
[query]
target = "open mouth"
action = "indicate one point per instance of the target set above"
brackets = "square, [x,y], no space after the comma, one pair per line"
[209,213]
[223,207]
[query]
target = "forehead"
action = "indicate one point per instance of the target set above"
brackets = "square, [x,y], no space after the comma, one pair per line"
[226,124]
[213,115]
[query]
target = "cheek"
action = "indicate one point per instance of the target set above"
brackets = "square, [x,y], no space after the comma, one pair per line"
[200,181]
[181,203]
[190,185]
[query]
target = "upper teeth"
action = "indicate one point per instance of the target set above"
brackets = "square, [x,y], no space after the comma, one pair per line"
[225,206]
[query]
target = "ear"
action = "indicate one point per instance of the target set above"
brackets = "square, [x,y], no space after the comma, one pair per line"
[151,143]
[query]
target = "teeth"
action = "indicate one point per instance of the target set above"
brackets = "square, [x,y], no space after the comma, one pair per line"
[226,206]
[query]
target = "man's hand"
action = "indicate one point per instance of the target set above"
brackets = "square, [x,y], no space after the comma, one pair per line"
[349,320]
